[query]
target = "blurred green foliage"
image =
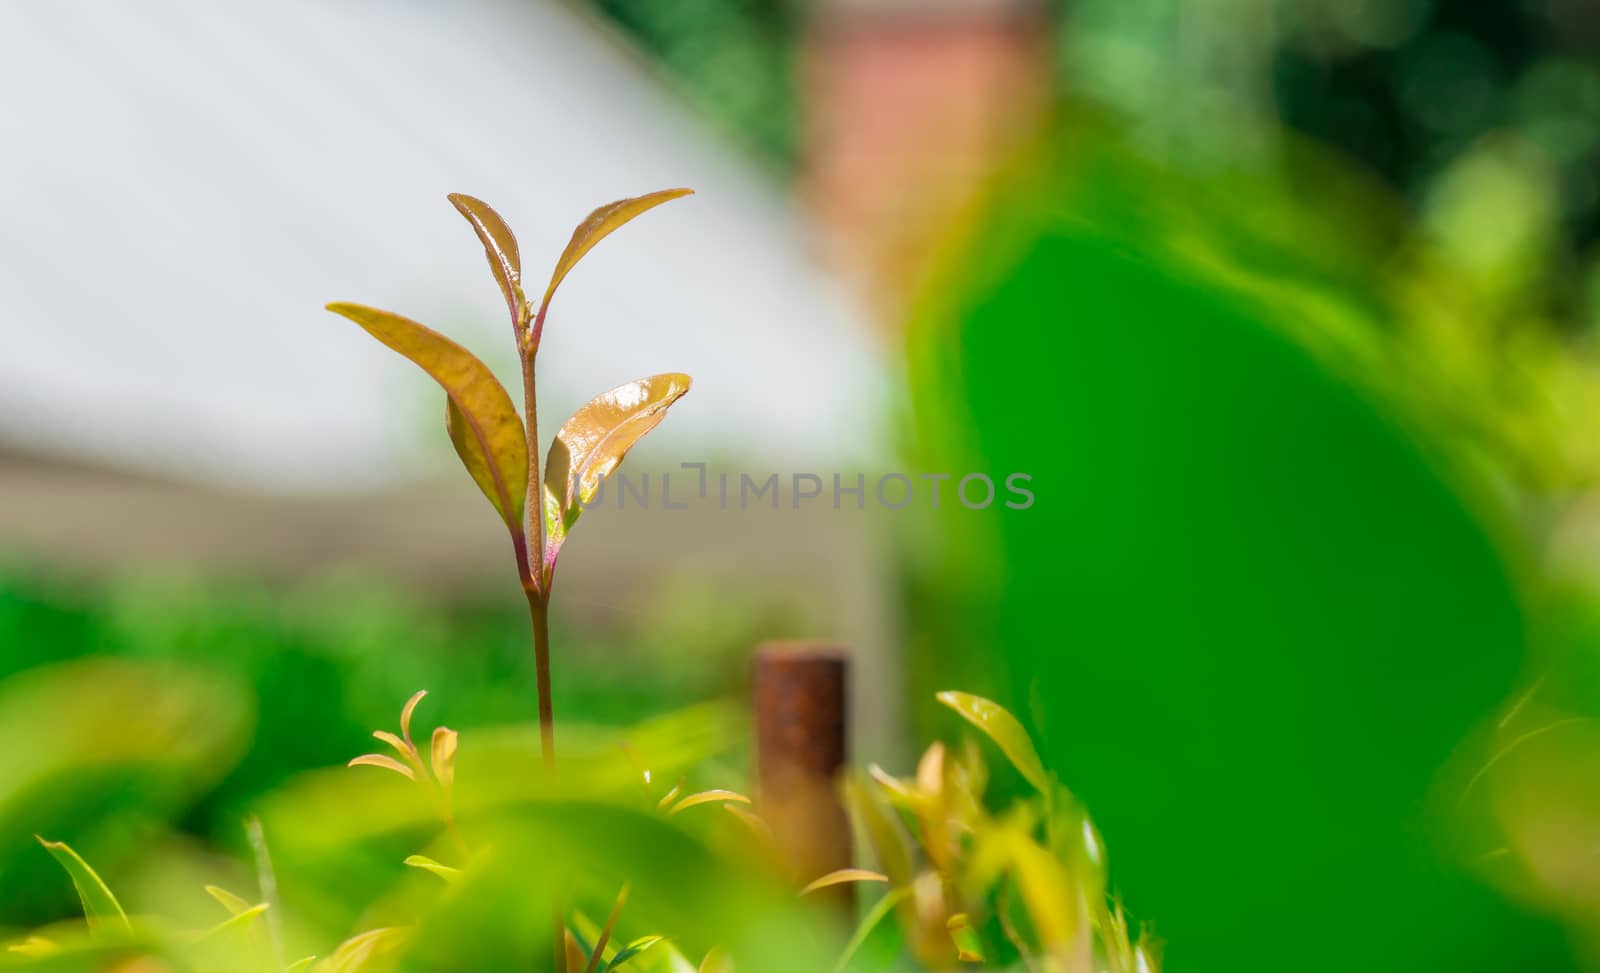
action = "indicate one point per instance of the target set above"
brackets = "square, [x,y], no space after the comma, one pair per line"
[305,671]
[732,59]
[1411,91]
[1278,568]
[337,877]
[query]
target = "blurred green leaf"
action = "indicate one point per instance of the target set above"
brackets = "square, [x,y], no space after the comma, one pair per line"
[870,924]
[631,950]
[446,872]
[891,845]
[238,920]
[366,950]
[100,907]
[842,876]
[1003,728]
[235,904]
[707,797]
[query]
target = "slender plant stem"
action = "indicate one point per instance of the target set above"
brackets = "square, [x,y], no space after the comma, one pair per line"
[535,578]
[535,584]
[539,611]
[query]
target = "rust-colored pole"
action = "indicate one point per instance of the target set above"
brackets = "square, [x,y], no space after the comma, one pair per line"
[801,707]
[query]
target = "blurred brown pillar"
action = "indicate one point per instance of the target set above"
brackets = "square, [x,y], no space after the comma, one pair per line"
[801,702]
[908,105]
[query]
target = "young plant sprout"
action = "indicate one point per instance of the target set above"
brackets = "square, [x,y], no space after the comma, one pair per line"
[539,504]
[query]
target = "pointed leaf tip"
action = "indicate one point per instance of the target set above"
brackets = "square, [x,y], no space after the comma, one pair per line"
[499,245]
[235,904]
[100,907]
[384,761]
[999,725]
[600,224]
[446,872]
[406,712]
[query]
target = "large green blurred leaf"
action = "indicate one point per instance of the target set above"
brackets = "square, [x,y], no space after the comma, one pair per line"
[1257,615]
[127,745]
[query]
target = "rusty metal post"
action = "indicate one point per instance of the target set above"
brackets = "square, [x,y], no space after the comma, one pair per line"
[801,707]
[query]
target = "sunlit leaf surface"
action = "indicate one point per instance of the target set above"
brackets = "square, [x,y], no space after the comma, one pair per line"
[100,907]
[469,449]
[491,440]
[593,443]
[499,245]
[598,225]
[1005,731]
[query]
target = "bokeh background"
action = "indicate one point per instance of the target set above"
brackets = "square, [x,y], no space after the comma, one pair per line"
[1287,307]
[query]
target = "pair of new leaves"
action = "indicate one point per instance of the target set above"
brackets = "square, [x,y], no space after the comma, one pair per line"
[488,434]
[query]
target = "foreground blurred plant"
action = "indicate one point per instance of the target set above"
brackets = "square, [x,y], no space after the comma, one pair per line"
[113,941]
[970,886]
[1019,886]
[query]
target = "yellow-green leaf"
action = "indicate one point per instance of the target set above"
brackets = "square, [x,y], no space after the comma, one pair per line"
[883,828]
[444,756]
[593,443]
[843,875]
[755,823]
[407,711]
[969,947]
[631,950]
[238,920]
[491,441]
[499,245]
[356,952]
[100,907]
[708,797]
[869,923]
[1003,728]
[597,226]
[235,904]
[1055,906]
[35,946]
[716,961]
[399,745]
[385,761]
[449,874]
[577,954]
